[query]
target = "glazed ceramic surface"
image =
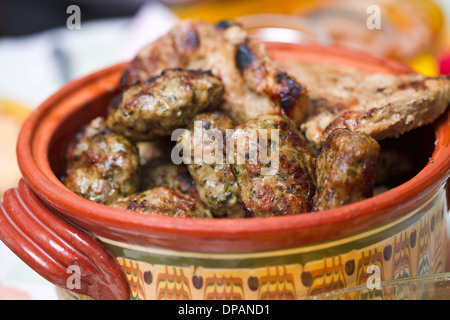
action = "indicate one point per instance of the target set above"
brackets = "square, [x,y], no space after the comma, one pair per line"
[413,245]
[400,233]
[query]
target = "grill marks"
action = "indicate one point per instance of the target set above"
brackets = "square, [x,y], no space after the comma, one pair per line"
[244,57]
[416,85]
[289,91]
[189,41]
[225,24]
[267,78]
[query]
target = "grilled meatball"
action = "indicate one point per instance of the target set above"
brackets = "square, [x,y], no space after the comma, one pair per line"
[287,185]
[158,106]
[102,165]
[163,201]
[346,169]
[164,173]
[216,184]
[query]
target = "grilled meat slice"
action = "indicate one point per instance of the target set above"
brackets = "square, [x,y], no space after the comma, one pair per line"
[345,169]
[215,183]
[158,106]
[163,201]
[381,105]
[102,165]
[254,84]
[274,168]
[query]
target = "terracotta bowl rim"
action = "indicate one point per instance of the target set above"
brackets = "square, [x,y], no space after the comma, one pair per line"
[358,217]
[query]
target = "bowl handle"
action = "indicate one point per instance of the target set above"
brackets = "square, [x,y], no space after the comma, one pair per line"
[58,250]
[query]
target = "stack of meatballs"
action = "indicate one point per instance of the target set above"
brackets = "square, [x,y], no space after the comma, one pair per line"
[215,76]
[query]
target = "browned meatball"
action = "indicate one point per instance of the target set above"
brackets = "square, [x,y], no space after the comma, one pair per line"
[102,165]
[163,201]
[282,183]
[346,168]
[164,173]
[158,106]
[215,183]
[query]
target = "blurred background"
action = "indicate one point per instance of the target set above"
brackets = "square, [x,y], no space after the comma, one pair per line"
[43,45]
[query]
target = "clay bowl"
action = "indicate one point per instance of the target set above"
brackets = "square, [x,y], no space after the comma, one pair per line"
[91,250]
